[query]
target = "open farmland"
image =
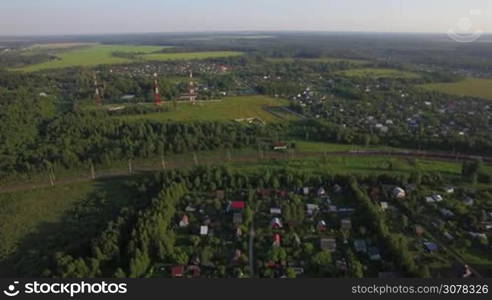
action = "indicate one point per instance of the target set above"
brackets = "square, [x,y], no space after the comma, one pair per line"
[94,55]
[226,109]
[474,87]
[27,217]
[329,60]
[378,73]
[189,55]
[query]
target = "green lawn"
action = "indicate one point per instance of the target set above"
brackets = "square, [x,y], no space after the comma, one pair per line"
[189,55]
[93,55]
[475,87]
[378,73]
[227,109]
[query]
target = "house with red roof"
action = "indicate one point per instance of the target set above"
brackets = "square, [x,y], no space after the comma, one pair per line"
[177,271]
[276,240]
[236,205]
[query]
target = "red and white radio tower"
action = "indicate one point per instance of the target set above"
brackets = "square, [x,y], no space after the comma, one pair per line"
[97,93]
[191,89]
[157,95]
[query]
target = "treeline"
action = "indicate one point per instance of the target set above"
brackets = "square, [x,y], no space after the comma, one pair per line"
[321,131]
[129,245]
[75,140]
[395,243]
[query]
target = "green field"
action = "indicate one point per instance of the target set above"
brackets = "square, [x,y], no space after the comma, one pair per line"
[93,55]
[378,73]
[189,55]
[21,213]
[33,217]
[474,87]
[331,60]
[226,109]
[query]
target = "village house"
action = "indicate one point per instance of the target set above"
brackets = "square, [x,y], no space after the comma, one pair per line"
[275,211]
[305,191]
[177,271]
[446,213]
[345,224]
[203,230]
[184,221]
[328,244]
[280,146]
[276,240]
[398,193]
[360,246]
[430,247]
[235,206]
[311,209]
[237,218]
[468,201]
[448,189]
[276,223]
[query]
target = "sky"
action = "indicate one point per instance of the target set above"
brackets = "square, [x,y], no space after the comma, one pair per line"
[56,17]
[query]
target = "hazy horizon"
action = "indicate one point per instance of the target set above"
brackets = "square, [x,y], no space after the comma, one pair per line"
[91,17]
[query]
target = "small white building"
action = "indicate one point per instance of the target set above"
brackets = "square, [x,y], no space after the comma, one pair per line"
[204,230]
[398,193]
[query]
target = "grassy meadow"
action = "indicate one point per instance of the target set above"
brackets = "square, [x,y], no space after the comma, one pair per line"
[189,55]
[31,217]
[329,60]
[474,87]
[93,55]
[227,109]
[378,73]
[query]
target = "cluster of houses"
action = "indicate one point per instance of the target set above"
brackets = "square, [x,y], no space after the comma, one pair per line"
[439,117]
[170,68]
[326,220]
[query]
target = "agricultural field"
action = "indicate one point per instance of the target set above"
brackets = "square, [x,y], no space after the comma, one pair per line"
[474,87]
[93,55]
[330,60]
[378,73]
[54,46]
[363,165]
[28,217]
[189,55]
[227,109]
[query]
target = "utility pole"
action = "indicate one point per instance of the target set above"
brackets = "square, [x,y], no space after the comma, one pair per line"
[191,89]
[163,162]
[130,169]
[157,95]
[97,92]
[93,173]
[52,176]
[229,157]
[195,159]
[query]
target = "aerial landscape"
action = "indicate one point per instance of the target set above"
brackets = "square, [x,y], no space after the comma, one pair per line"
[245,154]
